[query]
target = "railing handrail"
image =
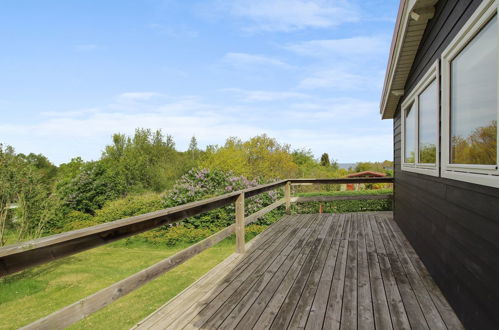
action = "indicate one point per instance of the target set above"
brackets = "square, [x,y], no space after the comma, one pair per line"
[224,199]
[22,255]
[27,254]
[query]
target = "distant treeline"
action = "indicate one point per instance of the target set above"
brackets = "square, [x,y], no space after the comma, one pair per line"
[38,198]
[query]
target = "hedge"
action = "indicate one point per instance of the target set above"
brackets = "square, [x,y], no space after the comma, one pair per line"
[345,206]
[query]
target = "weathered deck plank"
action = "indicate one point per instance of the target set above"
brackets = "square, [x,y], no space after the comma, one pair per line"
[255,310]
[269,313]
[318,310]
[302,310]
[349,271]
[365,317]
[382,319]
[395,303]
[214,299]
[260,291]
[250,288]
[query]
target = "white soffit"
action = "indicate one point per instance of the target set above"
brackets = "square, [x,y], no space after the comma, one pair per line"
[412,18]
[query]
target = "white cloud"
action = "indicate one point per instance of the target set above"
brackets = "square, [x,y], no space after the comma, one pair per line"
[289,15]
[244,60]
[71,113]
[174,31]
[362,45]
[339,79]
[85,47]
[345,146]
[339,126]
[339,109]
[138,96]
[265,96]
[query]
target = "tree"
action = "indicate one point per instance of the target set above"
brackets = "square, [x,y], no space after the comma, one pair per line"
[146,161]
[480,147]
[261,157]
[24,191]
[193,153]
[90,188]
[193,145]
[381,167]
[42,163]
[325,160]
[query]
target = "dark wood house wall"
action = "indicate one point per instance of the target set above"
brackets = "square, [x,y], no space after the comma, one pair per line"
[453,225]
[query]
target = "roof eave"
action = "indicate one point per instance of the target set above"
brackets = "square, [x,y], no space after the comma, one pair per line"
[412,19]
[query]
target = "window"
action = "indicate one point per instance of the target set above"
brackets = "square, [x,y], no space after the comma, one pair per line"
[469,101]
[428,124]
[420,126]
[410,134]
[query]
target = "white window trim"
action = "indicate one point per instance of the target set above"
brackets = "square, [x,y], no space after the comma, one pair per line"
[413,98]
[487,175]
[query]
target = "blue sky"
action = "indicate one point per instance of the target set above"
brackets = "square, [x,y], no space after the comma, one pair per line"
[308,73]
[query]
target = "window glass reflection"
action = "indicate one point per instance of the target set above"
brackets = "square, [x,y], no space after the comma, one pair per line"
[410,134]
[428,121]
[474,100]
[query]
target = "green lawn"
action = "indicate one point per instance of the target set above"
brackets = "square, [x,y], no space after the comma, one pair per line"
[32,294]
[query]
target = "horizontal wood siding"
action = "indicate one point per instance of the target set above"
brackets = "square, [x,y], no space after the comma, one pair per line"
[454,226]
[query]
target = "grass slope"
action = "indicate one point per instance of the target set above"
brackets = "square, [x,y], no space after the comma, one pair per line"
[32,294]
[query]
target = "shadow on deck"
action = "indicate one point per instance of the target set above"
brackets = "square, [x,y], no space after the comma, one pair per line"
[354,270]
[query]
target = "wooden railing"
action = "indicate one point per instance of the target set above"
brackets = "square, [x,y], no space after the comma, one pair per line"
[24,255]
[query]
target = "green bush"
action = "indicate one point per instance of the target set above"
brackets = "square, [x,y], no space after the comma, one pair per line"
[176,235]
[173,236]
[90,188]
[197,185]
[253,230]
[77,220]
[114,210]
[182,235]
[129,206]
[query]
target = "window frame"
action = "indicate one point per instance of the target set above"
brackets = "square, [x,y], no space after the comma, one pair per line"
[432,75]
[487,175]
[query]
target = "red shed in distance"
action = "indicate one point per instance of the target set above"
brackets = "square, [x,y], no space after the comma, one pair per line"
[363,174]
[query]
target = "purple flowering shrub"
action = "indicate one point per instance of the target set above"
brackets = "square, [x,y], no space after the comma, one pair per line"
[198,184]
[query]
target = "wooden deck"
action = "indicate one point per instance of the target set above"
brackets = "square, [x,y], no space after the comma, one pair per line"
[314,271]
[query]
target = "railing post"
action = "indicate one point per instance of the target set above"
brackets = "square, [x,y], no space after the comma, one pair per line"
[240,247]
[287,196]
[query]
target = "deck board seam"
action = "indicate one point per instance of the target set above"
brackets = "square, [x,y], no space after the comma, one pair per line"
[297,263]
[340,274]
[304,252]
[349,271]
[400,254]
[324,249]
[264,240]
[334,248]
[350,222]
[337,227]
[273,261]
[396,259]
[422,281]
[262,260]
[299,252]
[391,276]
[298,276]
[420,269]
[370,232]
[239,269]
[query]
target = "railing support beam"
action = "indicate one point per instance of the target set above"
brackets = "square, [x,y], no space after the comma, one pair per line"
[287,196]
[240,244]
